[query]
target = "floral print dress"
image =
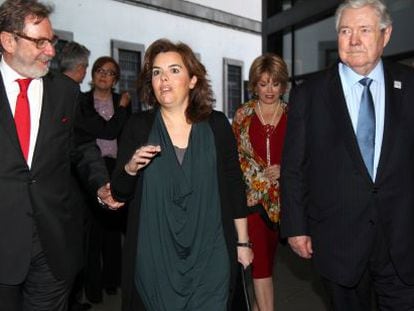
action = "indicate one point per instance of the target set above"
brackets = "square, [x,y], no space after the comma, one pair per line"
[260,190]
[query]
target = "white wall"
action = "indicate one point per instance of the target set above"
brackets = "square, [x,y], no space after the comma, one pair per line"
[95,22]
[247,8]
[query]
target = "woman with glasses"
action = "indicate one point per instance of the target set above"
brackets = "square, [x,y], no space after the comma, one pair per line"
[106,113]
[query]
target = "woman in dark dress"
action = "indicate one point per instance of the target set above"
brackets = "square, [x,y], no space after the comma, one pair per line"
[259,126]
[179,169]
[105,113]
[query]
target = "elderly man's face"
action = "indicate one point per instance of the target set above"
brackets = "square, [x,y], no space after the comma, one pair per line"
[25,57]
[360,40]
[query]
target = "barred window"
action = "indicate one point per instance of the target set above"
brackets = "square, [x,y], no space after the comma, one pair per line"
[233,86]
[129,57]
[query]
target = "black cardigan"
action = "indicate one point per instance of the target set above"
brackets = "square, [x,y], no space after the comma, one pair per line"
[126,187]
[97,127]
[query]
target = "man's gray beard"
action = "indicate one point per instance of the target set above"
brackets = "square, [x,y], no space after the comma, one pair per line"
[36,75]
[31,72]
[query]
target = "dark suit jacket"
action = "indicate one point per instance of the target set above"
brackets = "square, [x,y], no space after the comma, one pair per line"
[326,190]
[125,187]
[46,195]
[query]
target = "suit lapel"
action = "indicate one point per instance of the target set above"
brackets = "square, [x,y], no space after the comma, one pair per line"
[7,120]
[339,110]
[393,100]
[46,116]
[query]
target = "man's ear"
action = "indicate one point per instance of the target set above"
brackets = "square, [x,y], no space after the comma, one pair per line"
[78,68]
[8,41]
[387,34]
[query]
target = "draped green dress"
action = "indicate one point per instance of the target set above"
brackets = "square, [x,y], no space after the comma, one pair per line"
[182,259]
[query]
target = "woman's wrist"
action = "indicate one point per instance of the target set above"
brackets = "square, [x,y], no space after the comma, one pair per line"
[245,244]
[128,171]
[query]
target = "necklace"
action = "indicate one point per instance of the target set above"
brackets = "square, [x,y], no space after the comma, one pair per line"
[261,114]
[269,128]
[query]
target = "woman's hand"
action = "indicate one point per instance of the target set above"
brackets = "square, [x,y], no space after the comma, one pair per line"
[244,255]
[125,100]
[272,172]
[141,158]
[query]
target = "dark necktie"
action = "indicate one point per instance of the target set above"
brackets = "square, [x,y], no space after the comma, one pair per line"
[22,116]
[366,126]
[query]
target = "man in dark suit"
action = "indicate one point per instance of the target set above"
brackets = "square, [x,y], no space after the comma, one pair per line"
[347,173]
[40,223]
[73,62]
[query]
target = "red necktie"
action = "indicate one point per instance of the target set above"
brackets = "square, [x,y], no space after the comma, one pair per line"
[22,116]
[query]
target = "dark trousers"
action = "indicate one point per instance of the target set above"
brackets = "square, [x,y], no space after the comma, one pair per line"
[75,296]
[76,293]
[103,254]
[40,290]
[380,288]
[103,260]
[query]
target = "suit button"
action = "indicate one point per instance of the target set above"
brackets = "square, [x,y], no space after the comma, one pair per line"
[375,190]
[32,181]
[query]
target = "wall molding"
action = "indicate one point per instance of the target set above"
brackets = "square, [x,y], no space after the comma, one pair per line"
[201,13]
[302,11]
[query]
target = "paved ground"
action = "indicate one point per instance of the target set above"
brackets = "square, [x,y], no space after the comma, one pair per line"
[297,286]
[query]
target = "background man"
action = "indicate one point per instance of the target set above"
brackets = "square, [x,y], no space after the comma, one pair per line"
[40,227]
[74,60]
[348,169]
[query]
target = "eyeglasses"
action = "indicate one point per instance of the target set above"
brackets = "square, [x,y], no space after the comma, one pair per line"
[105,72]
[41,43]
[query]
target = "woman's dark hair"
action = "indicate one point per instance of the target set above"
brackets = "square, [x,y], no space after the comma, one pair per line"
[102,61]
[201,96]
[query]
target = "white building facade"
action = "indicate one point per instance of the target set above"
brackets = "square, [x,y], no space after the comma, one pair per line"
[226,35]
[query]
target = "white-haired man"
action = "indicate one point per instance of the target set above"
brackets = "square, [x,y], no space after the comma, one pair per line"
[347,170]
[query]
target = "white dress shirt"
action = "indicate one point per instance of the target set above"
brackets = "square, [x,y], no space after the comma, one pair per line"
[35,96]
[353,92]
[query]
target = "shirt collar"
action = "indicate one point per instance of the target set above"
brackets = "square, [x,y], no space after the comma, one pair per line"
[352,78]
